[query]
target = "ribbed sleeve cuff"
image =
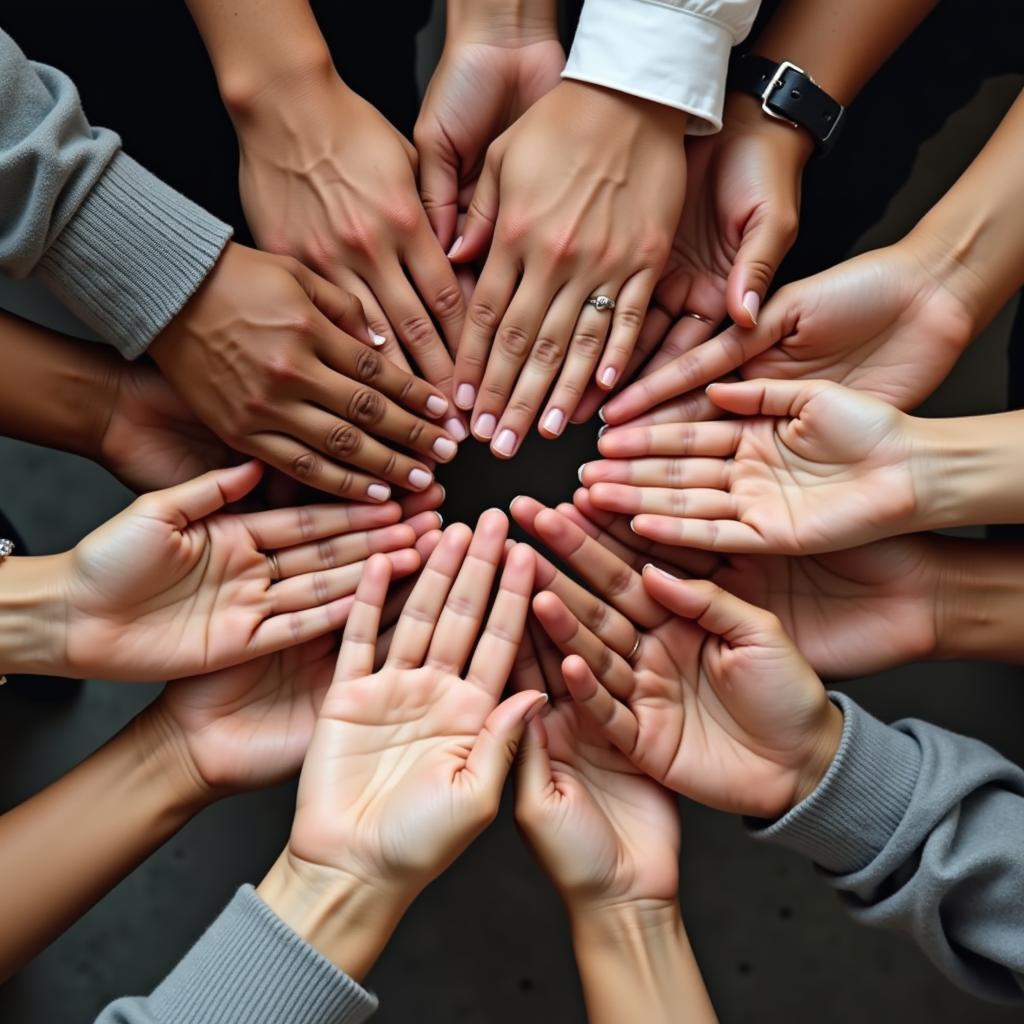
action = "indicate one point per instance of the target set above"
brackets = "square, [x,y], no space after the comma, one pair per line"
[132,254]
[847,821]
[657,52]
[251,968]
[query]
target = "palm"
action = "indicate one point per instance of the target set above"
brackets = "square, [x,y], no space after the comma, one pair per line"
[833,476]
[878,323]
[602,827]
[249,726]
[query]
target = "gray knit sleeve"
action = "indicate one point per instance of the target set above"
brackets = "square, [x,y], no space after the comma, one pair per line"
[120,248]
[249,968]
[921,832]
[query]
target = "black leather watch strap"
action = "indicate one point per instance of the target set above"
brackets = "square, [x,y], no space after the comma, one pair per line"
[788,93]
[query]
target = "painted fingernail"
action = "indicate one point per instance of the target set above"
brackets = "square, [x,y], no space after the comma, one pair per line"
[600,415]
[378,492]
[456,246]
[506,442]
[465,396]
[440,520]
[377,339]
[537,708]
[752,304]
[419,478]
[485,425]
[444,448]
[436,405]
[554,421]
[456,428]
[608,377]
[661,572]
[603,431]
[514,500]
[632,525]
[579,472]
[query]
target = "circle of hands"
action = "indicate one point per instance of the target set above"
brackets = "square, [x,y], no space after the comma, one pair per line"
[712,541]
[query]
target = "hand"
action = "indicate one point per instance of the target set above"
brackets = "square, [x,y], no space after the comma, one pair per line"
[173,586]
[882,323]
[581,196]
[714,701]
[325,178]
[849,613]
[407,764]
[262,356]
[152,439]
[489,74]
[605,832]
[816,468]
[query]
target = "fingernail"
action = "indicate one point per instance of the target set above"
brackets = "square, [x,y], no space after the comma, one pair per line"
[456,428]
[436,405]
[379,492]
[554,421]
[608,377]
[377,339]
[440,520]
[456,245]
[579,472]
[485,425]
[603,431]
[444,448]
[514,500]
[506,442]
[661,572]
[536,709]
[752,304]
[465,396]
[419,478]
[600,415]
[632,525]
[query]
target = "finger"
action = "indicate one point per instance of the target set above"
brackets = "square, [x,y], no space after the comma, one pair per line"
[435,280]
[318,588]
[294,628]
[426,544]
[460,620]
[495,748]
[533,769]
[693,407]
[570,636]
[382,334]
[341,550]
[611,716]
[482,213]
[715,439]
[526,671]
[685,335]
[283,527]
[768,397]
[420,614]
[766,240]
[340,306]
[359,642]
[313,469]
[513,341]
[550,659]
[425,522]
[424,501]
[195,499]
[677,473]
[439,179]
[691,503]
[706,534]
[631,305]
[621,550]
[498,646]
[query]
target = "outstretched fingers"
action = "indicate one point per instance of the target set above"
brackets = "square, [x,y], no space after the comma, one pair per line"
[359,643]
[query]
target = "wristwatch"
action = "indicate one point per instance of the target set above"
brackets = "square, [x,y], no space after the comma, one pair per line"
[787,93]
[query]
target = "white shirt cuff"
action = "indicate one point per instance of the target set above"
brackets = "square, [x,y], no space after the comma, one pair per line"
[674,52]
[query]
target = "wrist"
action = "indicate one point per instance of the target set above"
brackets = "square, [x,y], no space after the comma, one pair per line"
[820,753]
[34,615]
[792,146]
[346,918]
[510,23]
[250,92]
[637,925]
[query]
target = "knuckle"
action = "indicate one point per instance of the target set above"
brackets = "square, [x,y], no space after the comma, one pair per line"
[343,440]
[588,342]
[366,406]
[417,330]
[547,352]
[368,365]
[346,483]
[514,341]
[629,317]
[305,466]
[448,301]
[484,315]
[403,216]
[302,324]
[561,247]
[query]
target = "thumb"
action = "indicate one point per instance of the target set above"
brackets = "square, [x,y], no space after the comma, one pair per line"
[341,307]
[766,240]
[439,181]
[495,748]
[188,502]
[482,214]
[767,397]
[533,770]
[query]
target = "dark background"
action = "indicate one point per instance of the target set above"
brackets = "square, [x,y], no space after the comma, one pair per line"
[487,942]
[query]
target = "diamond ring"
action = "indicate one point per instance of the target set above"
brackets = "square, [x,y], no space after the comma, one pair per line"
[601,303]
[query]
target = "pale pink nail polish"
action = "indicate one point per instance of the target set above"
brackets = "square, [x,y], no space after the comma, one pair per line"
[456,246]
[444,448]
[378,492]
[436,405]
[579,472]
[506,442]
[419,478]
[608,377]
[456,428]
[554,421]
[465,396]
[377,339]
[752,304]
[485,425]
[537,708]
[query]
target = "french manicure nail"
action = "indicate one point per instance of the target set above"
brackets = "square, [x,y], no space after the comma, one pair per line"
[485,425]
[456,246]
[661,572]
[536,709]
[506,442]
[465,396]
[436,405]
[752,304]
[419,478]
[608,377]
[440,520]
[444,448]
[579,472]
[377,339]
[600,415]
[603,431]
[378,492]
[554,421]
[456,428]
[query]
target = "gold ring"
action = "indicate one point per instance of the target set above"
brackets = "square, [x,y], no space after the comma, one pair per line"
[636,647]
[275,568]
[697,316]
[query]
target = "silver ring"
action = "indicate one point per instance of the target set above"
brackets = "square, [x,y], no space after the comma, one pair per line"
[275,568]
[697,316]
[636,647]
[602,303]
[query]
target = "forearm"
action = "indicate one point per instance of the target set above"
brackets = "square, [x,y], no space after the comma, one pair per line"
[33,615]
[55,391]
[61,850]
[635,963]
[973,238]
[502,22]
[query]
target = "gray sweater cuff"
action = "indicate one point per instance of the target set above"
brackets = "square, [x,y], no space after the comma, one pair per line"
[847,821]
[251,967]
[132,254]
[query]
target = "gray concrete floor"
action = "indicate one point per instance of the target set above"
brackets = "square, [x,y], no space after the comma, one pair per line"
[487,942]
